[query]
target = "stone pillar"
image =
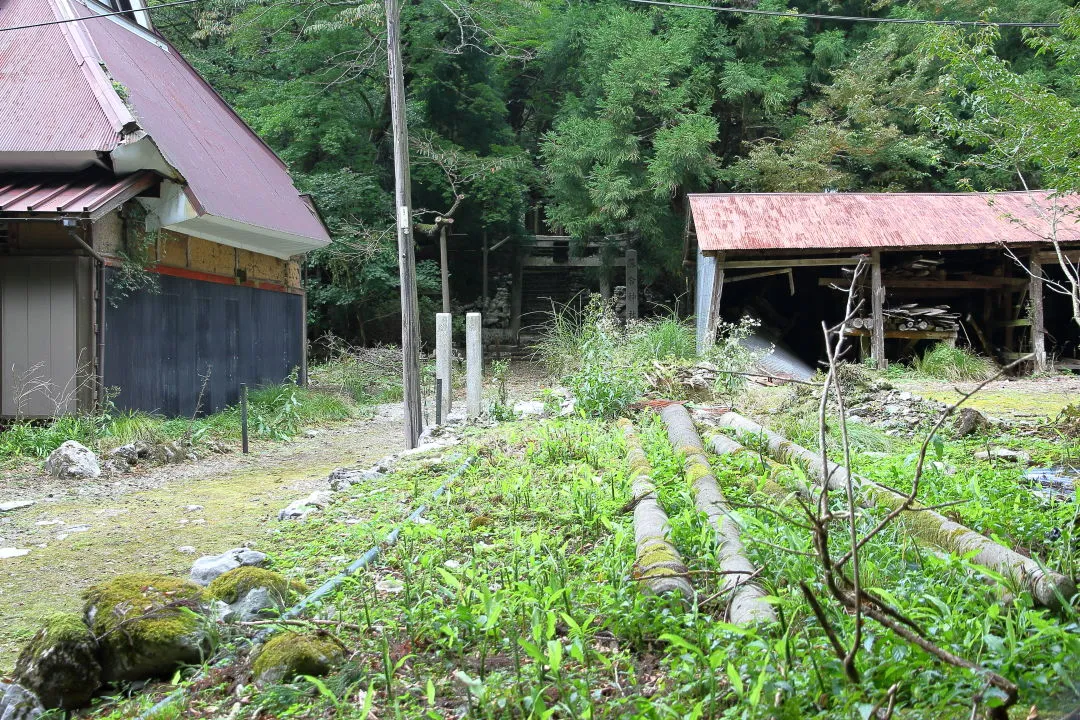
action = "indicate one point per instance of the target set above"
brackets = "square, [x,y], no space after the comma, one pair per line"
[474,365]
[443,353]
[631,285]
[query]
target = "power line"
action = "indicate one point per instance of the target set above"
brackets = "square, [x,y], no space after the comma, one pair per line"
[849,18]
[99,15]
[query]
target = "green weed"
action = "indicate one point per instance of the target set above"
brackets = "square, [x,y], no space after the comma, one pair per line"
[943,362]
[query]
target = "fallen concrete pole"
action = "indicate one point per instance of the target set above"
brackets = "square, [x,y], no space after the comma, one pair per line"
[748,604]
[1048,588]
[786,451]
[658,566]
[723,445]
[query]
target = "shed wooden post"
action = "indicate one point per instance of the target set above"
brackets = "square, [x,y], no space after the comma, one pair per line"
[631,285]
[1038,316]
[484,292]
[515,297]
[877,304]
[713,307]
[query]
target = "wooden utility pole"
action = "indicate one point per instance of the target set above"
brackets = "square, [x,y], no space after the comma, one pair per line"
[410,316]
[877,309]
[1038,314]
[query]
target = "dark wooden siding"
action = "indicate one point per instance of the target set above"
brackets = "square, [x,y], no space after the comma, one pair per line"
[159,345]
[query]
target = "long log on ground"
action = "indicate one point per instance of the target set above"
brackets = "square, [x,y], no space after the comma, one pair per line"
[1046,587]
[786,451]
[658,565]
[748,604]
[723,445]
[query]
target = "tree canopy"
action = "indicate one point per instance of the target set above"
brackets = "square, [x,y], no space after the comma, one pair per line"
[605,114]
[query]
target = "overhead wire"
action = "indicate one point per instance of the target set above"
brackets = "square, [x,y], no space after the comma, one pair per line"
[98,15]
[847,18]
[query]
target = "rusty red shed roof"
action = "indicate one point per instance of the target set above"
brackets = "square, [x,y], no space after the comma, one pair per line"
[852,221]
[92,193]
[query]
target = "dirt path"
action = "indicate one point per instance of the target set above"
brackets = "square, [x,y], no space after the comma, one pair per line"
[161,519]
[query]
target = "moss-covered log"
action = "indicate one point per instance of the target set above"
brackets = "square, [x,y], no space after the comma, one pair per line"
[1046,587]
[748,604]
[658,566]
[786,451]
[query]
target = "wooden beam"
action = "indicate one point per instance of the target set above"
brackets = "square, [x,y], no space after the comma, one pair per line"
[541,261]
[1020,322]
[792,263]
[1038,317]
[631,285]
[1050,257]
[713,312]
[877,305]
[755,276]
[932,284]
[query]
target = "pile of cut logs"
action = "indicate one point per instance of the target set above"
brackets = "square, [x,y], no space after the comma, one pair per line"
[915,317]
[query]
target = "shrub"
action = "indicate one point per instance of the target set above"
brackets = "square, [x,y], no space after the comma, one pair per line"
[943,362]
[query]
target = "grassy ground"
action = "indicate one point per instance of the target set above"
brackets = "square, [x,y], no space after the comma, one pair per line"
[518,598]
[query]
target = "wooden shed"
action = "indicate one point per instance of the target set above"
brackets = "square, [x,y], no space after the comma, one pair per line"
[949,267]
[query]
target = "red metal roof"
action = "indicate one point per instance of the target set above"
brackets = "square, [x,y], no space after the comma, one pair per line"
[92,193]
[56,98]
[842,221]
[46,102]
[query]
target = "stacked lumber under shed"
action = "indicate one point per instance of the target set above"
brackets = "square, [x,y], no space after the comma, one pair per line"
[913,316]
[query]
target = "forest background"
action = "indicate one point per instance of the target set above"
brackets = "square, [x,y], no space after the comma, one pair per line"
[604,114]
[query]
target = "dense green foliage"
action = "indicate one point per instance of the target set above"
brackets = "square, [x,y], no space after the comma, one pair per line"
[605,114]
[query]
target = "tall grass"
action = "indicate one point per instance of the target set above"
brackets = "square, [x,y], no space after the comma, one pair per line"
[604,362]
[943,362]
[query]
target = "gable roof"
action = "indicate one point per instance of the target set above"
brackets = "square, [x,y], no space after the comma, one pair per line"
[852,221]
[229,174]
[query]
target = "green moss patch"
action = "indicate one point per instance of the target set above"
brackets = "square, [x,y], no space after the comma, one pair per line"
[233,585]
[290,654]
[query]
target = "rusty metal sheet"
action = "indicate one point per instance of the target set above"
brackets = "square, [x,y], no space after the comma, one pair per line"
[852,221]
[46,102]
[92,192]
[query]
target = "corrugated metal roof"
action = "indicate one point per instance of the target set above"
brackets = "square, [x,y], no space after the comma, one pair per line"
[55,97]
[231,172]
[92,193]
[46,103]
[841,221]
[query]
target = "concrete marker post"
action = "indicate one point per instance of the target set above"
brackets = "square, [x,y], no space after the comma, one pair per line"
[443,352]
[474,365]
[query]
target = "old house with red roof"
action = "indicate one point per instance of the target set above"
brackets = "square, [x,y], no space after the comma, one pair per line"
[927,267]
[149,240]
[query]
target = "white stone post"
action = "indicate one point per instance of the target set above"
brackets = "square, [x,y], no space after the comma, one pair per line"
[443,352]
[474,365]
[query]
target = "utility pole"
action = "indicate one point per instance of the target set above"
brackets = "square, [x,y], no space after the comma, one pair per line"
[410,316]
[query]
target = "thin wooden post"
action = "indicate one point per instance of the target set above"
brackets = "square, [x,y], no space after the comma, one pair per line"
[484,292]
[445,269]
[243,418]
[1038,315]
[515,296]
[631,285]
[410,316]
[877,304]
[713,308]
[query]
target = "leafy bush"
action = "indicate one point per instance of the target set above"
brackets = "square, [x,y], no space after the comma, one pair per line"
[605,363]
[943,362]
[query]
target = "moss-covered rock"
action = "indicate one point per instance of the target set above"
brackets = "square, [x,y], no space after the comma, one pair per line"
[250,592]
[147,624]
[60,663]
[287,655]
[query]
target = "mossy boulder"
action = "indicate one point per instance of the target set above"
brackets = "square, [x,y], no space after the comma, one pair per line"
[147,625]
[60,663]
[288,655]
[251,592]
